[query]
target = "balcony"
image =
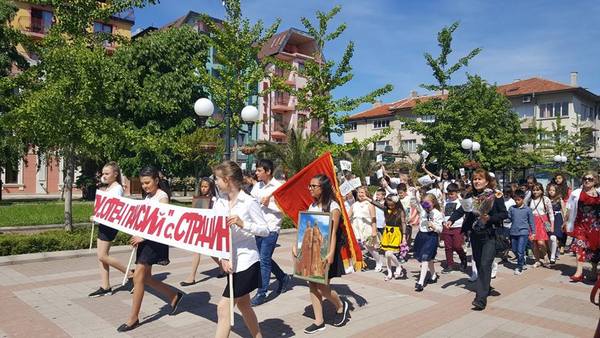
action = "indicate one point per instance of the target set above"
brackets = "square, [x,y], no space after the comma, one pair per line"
[288,77]
[282,103]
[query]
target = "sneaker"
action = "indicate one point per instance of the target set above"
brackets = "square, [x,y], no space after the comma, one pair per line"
[313,328]
[258,299]
[340,318]
[447,270]
[524,267]
[518,271]
[537,264]
[283,284]
[378,268]
[473,277]
[494,269]
[101,292]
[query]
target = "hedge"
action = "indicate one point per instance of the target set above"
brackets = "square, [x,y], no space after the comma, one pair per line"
[54,240]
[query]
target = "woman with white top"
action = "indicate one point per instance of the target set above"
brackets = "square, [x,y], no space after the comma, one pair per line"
[364,224]
[324,200]
[111,178]
[246,221]
[148,254]
[543,217]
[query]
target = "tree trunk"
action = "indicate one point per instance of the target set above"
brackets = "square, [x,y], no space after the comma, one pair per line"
[1,188]
[68,188]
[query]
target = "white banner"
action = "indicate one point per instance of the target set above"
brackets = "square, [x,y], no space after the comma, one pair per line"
[204,231]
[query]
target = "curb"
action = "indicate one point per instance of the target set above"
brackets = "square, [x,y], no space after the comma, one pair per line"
[67,254]
[24,228]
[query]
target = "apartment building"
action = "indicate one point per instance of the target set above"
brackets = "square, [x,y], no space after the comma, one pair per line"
[35,21]
[536,97]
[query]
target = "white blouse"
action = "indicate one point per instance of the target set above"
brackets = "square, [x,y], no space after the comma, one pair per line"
[115,190]
[542,207]
[332,206]
[244,252]
[434,216]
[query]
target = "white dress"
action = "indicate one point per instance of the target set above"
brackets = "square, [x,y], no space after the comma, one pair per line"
[361,220]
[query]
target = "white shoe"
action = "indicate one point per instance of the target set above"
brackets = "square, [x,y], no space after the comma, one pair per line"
[518,271]
[473,277]
[378,268]
[494,270]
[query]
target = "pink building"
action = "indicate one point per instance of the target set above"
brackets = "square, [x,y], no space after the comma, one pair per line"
[278,109]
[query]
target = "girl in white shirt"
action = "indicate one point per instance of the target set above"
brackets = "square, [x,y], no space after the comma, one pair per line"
[543,217]
[111,177]
[427,239]
[324,200]
[246,221]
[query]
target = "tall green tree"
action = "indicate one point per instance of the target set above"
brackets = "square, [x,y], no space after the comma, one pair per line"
[577,149]
[325,75]
[63,112]
[11,147]
[236,43]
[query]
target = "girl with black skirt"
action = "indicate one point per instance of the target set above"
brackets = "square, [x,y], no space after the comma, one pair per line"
[324,200]
[149,253]
[111,178]
[246,221]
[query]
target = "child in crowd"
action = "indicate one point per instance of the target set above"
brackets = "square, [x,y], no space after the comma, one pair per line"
[379,214]
[405,199]
[522,228]
[364,224]
[543,216]
[395,226]
[559,237]
[427,239]
[452,236]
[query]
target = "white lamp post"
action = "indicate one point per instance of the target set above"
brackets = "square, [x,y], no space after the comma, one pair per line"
[560,160]
[204,107]
[471,146]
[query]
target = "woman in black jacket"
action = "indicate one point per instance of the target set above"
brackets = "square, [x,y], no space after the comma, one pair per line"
[484,212]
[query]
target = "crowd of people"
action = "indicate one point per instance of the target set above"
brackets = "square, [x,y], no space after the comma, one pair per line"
[521,225]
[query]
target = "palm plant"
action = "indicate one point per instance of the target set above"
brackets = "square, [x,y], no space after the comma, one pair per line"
[363,161]
[299,150]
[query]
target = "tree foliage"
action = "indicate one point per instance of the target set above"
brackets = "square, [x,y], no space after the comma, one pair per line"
[299,150]
[325,76]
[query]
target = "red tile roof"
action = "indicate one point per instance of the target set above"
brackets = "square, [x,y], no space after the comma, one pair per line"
[382,110]
[533,85]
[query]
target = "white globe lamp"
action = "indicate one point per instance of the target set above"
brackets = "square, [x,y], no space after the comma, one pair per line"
[476,146]
[466,144]
[557,158]
[204,107]
[250,114]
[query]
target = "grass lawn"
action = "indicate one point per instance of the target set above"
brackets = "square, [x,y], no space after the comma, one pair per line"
[42,212]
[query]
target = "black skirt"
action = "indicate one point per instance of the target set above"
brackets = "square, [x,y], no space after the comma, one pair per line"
[336,269]
[425,246]
[245,281]
[106,234]
[150,253]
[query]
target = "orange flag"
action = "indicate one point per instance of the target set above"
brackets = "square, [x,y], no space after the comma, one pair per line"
[293,196]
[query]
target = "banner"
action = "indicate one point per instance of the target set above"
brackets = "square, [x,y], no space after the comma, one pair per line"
[204,231]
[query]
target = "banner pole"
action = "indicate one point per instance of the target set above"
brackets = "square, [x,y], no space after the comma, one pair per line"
[231,296]
[91,237]
[128,266]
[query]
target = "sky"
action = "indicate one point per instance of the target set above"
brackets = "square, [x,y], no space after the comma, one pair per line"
[519,39]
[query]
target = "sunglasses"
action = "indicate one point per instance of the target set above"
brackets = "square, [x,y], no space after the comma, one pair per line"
[313,186]
[588,179]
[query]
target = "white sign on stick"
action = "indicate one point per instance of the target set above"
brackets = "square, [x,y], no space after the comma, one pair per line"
[346,188]
[424,154]
[355,182]
[346,165]
[368,180]
[380,173]
[380,158]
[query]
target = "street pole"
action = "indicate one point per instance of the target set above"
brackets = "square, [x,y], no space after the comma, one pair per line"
[227,154]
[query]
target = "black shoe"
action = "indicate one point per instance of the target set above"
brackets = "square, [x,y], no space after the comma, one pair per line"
[283,284]
[418,287]
[101,292]
[125,327]
[447,270]
[184,283]
[478,305]
[463,265]
[432,280]
[258,299]
[340,318]
[313,328]
[178,300]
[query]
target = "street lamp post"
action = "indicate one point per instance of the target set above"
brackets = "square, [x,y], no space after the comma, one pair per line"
[471,146]
[560,160]
[204,108]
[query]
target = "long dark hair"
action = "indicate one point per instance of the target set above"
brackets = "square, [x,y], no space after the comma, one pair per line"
[154,173]
[212,191]
[563,188]
[327,194]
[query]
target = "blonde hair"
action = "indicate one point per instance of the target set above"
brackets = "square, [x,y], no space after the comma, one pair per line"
[362,187]
[231,171]
[436,203]
[115,167]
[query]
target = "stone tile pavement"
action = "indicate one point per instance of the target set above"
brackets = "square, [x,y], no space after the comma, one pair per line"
[49,299]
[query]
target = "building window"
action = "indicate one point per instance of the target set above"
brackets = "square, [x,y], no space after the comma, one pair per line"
[103,28]
[379,124]
[282,98]
[428,119]
[352,126]
[565,109]
[11,176]
[409,146]
[380,145]
[555,109]
[41,21]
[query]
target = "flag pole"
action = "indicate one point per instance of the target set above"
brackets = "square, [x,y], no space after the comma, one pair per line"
[231,296]
[91,237]
[128,266]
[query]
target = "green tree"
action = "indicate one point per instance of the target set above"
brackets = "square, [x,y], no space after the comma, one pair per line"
[11,147]
[324,76]
[577,149]
[155,85]
[63,111]
[298,152]
[237,43]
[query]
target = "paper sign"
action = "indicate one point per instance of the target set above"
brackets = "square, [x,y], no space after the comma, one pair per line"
[424,154]
[253,166]
[380,173]
[346,188]
[243,167]
[380,158]
[355,182]
[204,231]
[346,165]
[368,180]
[462,171]
[425,180]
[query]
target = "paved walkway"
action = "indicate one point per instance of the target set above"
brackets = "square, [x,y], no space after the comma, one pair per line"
[48,299]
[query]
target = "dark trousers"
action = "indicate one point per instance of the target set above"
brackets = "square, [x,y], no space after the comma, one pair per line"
[266,246]
[484,251]
[453,241]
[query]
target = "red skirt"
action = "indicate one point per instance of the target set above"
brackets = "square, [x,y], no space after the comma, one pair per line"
[540,229]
